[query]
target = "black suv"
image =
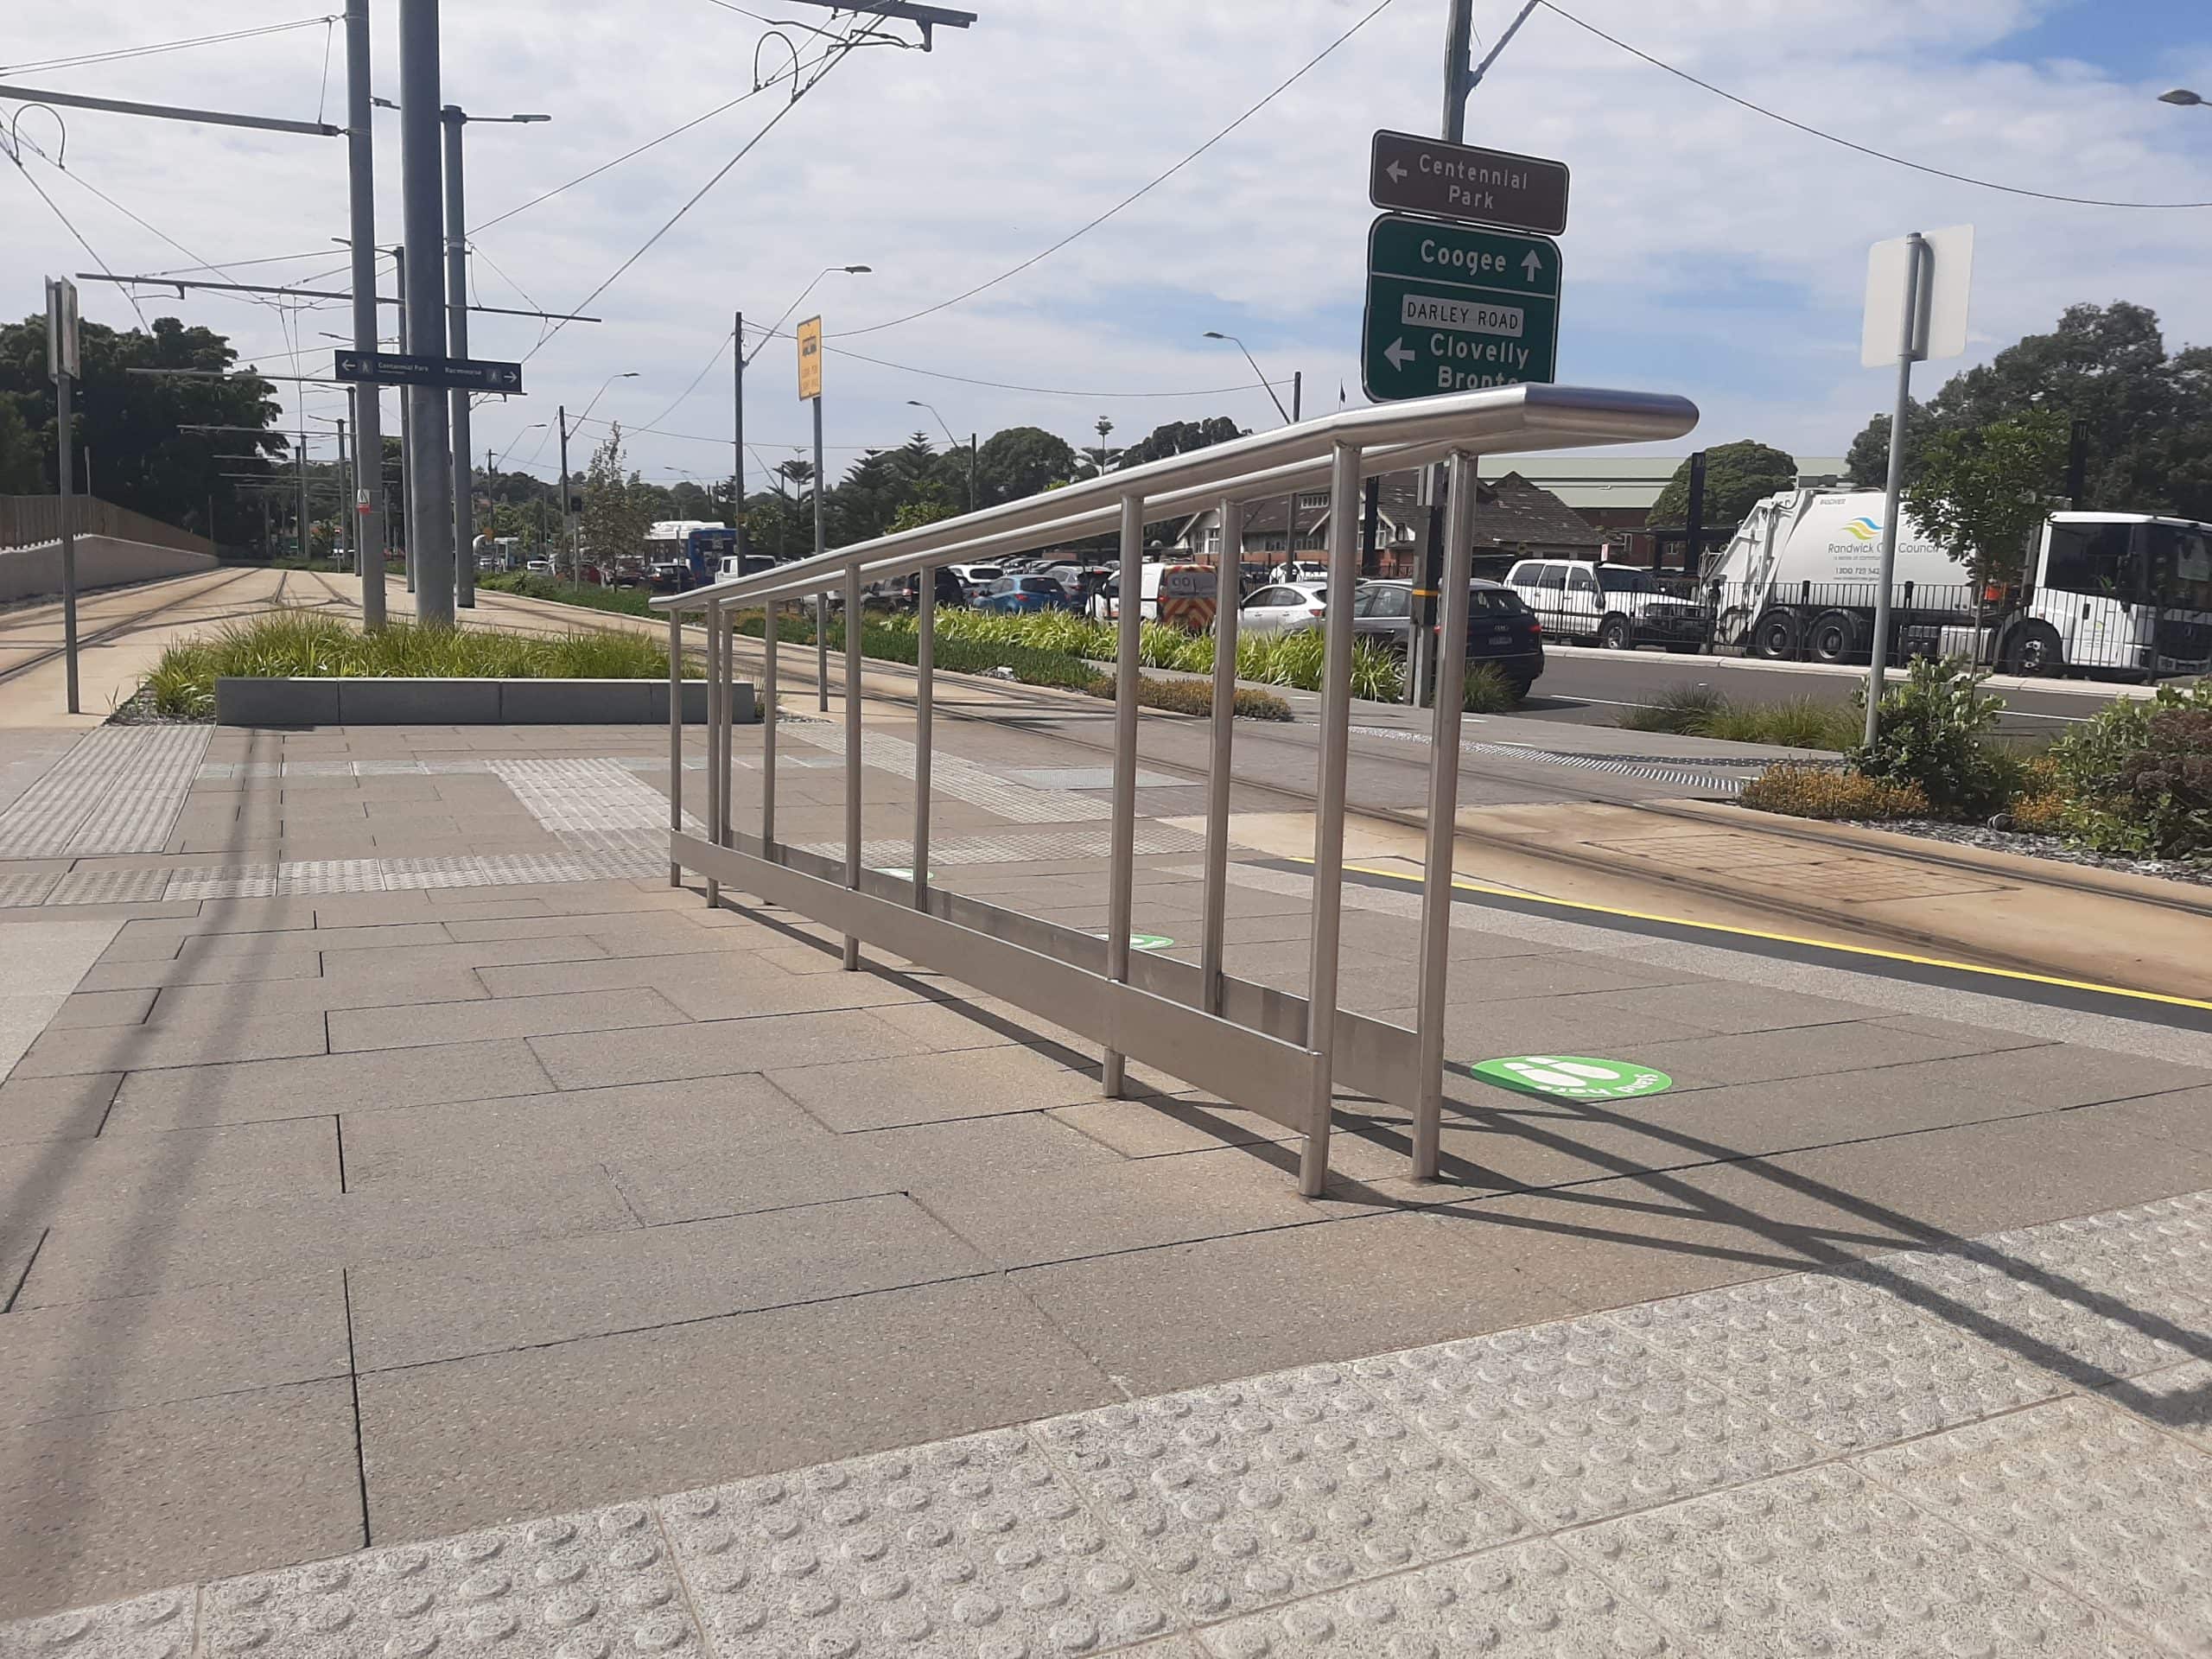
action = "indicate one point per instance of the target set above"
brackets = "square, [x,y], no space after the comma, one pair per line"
[1500,628]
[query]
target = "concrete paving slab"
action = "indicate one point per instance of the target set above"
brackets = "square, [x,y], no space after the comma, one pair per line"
[52,1109]
[717,1048]
[147,1350]
[528,1295]
[102,1008]
[188,1096]
[90,1256]
[343,985]
[415,1025]
[2177,1399]
[724,986]
[877,1094]
[151,1173]
[202,1488]
[1164,1126]
[749,1173]
[213,971]
[139,1048]
[455,1444]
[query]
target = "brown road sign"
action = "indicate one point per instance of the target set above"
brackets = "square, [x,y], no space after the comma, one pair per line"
[1411,174]
[810,357]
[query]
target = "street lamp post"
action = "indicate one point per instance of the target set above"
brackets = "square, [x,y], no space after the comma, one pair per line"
[2184,97]
[916,403]
[1290,418]
[454,119]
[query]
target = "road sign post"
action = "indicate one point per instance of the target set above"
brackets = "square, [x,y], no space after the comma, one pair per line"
[808,335]
[418,369]
[1451,308]
[1407,174]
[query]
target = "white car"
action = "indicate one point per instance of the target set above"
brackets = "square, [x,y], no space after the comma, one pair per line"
[1284,607]
[539,567]
[1616,605]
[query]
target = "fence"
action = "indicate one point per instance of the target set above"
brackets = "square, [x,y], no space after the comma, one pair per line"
[28,520]
[1276,1053]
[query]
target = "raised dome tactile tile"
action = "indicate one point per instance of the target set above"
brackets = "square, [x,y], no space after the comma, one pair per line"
[157,1626]
[1825,1563]
[1239,1496]
[2177,1399]
[2100,1502]
[1846,1364]
[1527,1601]
[975,1548]
[1576,1420]
[593,1585]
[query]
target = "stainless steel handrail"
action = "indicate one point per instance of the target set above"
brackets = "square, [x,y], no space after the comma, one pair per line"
[1277,1054]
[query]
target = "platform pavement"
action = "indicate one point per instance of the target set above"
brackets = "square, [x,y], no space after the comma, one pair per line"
[371,1217]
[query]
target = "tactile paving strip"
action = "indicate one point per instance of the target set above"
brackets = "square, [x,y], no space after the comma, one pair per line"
[1576,1421]
[118,790]
[574,1586]
[1527,1601]
[1824,1563]
[111,887]
[34,889]
[2080,1493]
[1847,1365]
[592,805]
[163,1626]
[972,1547]
[1237,1496]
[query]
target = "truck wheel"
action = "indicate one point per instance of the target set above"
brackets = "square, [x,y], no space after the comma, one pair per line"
[1612,633]
[1774,636]
[1834,637]
[2034,649]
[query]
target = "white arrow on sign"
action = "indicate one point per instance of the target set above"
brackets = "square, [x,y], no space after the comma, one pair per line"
[1530,265]
[1397,354]
[1396,173]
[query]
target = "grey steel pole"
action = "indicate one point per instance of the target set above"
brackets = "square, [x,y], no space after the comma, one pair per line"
[1443,815]
[1121,870]
[553,564]
[924,712]
[406,424]
[822,599]
[1329,814]
[852,744]
[975,455]
[1916,253]
[768,728]
[64,420]
[722,837]
[674,739]
[368,408]
[464,503]
[344,548]
[431,478]
[305,549]
[715,750]
[1458,34]
[737,442]
[1229,595]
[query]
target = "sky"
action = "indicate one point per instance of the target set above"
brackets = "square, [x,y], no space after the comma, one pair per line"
[1710,252]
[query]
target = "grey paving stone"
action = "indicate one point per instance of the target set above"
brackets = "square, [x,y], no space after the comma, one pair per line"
[723,986]
[342,986]
[150,1174]
[925,1088]
[2084,1496]
[2177,1399]
[744,1174]
[140,1048]
[1822,1561]
[1845,1364]
[213,970]
[102,1008]
[258,1090]
[147,1350]
[1252,1493]
[418,1024]
[390,936]
[1813,1051]
[454,1445]
[1574,1421]
[403,963]
[55,1108]
[1163,1126]
[409,1313]
[596,1583]
[163,1624]
[716,1048]
[171,1493]
[1523,1601]
[92,1254]
[974,1546]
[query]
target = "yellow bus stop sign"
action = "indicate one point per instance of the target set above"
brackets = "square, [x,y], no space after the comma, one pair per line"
[810,357]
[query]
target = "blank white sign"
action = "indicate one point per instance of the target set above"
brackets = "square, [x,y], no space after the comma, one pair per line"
[1948,265]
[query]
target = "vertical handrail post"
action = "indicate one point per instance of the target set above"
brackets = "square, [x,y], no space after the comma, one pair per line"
[674,739]
[768,728]
[714,746]
[1443,814]
[1122,873]
[1228,597]
[1329,813]
[924,711]
[852,749]
[724,752]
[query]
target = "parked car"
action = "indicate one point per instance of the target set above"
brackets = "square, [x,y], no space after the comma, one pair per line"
[949,589]
[972,577]
[1284,607]
[1024,595]
[1615,605]
[539,567]
[1500,628]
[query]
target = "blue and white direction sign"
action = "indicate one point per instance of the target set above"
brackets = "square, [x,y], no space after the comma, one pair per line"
[1453,308]
[416,369]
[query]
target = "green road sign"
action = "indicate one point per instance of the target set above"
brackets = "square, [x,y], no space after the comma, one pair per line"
[1454,309]
[1573,1076]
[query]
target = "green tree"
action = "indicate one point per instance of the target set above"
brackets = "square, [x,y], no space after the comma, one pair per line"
[1983,492]
[1737,475]
[1020,461]
[19,457]
[618,506]
[1179,438]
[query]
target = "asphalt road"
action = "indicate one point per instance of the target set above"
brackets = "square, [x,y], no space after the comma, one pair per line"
[1584,686]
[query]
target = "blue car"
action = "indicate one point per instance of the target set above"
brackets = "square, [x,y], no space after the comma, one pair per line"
[1021,595]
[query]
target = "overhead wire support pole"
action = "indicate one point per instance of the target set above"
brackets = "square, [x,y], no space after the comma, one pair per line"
[172,112]
[452,120]
[422,221]
[368,400]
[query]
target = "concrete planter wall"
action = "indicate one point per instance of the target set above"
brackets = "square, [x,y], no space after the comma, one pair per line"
[242,701]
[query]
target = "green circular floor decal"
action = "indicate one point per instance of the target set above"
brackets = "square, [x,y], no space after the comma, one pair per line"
[1573,1076]
[1146,941]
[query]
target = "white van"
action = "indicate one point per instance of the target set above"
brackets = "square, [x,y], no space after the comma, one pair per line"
[1106,603]
[1615,605]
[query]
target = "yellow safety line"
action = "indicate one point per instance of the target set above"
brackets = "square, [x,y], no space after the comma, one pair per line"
[1785,938]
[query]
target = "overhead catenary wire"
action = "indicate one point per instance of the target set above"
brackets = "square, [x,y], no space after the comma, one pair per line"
[1865,149]
[122,52]
[68,224]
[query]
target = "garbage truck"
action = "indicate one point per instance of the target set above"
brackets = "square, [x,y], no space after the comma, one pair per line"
[2116,594]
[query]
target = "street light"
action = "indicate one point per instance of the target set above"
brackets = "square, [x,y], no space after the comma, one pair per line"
[535,426]
[1290,417]
[2181,96]
[916,403]
[1215,333]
